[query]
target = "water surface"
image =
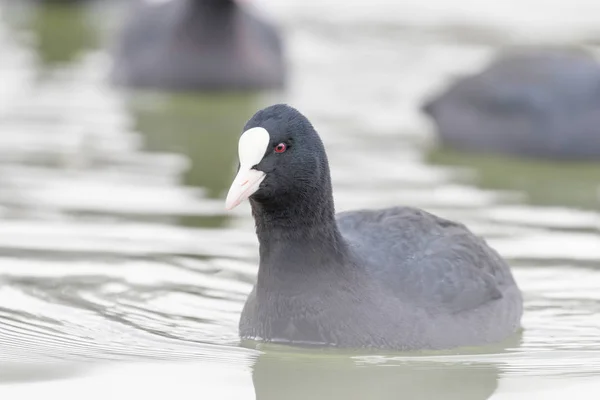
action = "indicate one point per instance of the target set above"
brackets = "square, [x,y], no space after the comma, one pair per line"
[121,274]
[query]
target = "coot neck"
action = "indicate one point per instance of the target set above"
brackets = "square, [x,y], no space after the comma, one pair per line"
[211,4]
[213,12]
[298,234]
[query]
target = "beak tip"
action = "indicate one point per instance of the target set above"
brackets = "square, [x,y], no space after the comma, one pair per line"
[238,193]
[229,206]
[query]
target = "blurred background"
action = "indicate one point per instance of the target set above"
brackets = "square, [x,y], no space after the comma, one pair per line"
[121,274]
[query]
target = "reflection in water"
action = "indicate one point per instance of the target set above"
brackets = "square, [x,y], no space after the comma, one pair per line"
[61,31]
[321,376]
[204,128]
[545,183]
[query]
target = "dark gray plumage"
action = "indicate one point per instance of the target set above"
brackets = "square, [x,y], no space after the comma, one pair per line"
[397,278]
[197,45]
[542,103]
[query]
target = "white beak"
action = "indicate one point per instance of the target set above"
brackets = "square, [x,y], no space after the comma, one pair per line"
[251,149]
[244,185]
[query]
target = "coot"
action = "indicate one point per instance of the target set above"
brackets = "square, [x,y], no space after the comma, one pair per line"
[397,278]
[538,103]
[197,45]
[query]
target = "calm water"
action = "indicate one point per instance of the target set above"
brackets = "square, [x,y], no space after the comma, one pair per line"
[121,274]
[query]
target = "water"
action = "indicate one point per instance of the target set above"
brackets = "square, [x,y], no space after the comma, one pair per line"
[121,274]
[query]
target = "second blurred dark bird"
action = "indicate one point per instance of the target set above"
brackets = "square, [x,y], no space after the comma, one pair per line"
[539,103]
[197,45]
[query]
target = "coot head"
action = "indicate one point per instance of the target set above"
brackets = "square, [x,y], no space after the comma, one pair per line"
[282,162]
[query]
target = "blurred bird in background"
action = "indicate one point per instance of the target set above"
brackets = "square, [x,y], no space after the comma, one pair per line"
[197,45]
[542,103]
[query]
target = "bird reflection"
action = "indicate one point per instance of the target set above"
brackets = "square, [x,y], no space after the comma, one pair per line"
[204,128]
[317,377]
[579,181]
[62,30]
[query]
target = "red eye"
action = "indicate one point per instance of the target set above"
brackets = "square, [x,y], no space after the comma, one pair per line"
[280,148]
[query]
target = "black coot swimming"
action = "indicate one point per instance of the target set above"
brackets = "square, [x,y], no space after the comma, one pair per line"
[197,45]
[540,103]
[397,278]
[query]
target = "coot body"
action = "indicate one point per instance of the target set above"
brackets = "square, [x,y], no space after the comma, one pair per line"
[397,278]
[541,103]
[197,45]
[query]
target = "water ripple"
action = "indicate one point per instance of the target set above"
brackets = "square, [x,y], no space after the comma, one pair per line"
[114,245]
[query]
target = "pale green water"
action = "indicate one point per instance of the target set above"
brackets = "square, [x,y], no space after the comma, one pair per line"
[122,276]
